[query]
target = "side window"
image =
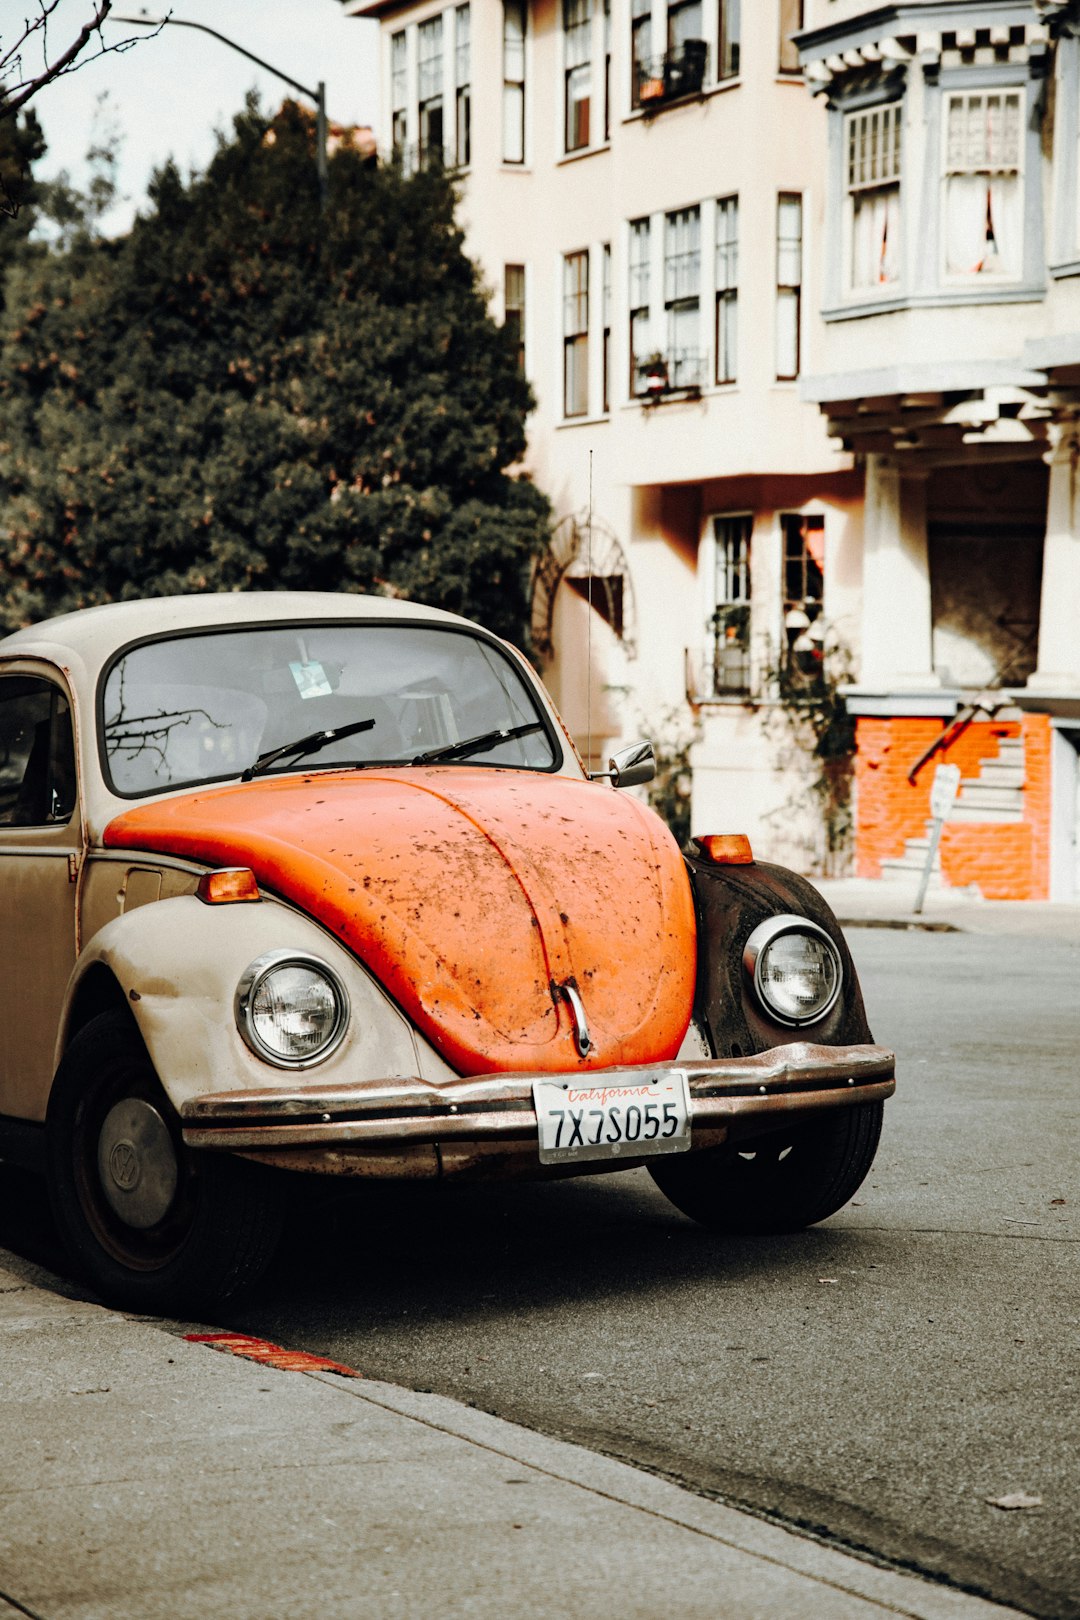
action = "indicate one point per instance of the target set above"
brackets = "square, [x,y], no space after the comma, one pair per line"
[37,754]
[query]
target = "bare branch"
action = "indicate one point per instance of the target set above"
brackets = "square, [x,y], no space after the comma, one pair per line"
[19,84]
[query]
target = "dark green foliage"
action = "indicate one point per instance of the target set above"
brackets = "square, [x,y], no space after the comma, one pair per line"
[244,394]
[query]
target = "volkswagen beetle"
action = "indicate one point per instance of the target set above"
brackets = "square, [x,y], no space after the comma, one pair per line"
[297,882]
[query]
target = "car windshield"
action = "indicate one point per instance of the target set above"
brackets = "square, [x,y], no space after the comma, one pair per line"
[203,708]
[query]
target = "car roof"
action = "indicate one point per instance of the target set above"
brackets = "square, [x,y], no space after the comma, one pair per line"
[93,633]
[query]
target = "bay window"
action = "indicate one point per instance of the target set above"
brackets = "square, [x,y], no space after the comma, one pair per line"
[983,196]
[873,197]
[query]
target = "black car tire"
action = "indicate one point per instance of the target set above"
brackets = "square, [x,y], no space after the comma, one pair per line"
[214,1233]
[775,1183]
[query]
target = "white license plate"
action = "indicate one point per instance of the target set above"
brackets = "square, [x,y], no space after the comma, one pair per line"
[577,1120]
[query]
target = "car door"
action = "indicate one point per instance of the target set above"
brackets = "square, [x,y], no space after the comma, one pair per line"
[40,848]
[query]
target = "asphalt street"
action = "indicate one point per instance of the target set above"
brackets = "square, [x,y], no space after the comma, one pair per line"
[874,1381]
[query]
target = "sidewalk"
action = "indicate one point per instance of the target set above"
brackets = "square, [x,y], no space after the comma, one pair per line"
[869,903]
[144,1476]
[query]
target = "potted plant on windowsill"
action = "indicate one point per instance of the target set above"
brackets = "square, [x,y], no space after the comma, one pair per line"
[654,375]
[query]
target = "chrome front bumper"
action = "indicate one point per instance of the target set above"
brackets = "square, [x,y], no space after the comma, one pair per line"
[747,1093]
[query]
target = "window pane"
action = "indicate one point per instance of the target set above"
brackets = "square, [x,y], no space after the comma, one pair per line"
[514,308]
[37,759]
[728,56]
[727,243]
[728,628]
[791,20]
[787,333]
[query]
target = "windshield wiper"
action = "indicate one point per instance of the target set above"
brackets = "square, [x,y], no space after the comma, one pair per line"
[305,745]
[475,745]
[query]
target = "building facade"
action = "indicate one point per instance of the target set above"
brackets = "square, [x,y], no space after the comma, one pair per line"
[951,346]
[643,188]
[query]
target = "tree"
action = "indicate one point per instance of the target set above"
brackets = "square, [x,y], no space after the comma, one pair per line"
[243,394]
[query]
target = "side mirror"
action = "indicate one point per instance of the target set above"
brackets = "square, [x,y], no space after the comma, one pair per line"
[630,767]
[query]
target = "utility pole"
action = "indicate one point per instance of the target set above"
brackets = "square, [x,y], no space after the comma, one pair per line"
[318,95]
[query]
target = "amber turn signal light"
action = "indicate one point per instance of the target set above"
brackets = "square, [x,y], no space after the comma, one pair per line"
[725,849]
[230,884]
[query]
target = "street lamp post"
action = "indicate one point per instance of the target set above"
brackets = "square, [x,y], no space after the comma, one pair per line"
[318,95]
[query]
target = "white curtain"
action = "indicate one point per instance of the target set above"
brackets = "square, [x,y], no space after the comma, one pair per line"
[984,225]
[875,238]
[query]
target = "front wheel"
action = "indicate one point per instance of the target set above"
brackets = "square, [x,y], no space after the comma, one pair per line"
[151,1225]
[777,1183]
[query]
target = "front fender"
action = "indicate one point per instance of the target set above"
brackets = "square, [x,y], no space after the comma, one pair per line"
[730,902]
[177,964]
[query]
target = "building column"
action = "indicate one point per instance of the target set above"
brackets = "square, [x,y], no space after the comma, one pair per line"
[896,641]
[1059,643]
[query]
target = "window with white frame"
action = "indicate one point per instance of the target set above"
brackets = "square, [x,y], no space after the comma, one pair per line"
[399,91]
[789,256]
[728,628]
[872,183]
[429,66]
[682,297]
[639,279]
[462,86]
[577,47]
[576,334]
[514,81]
[727,53]
[727,289]
[983,194]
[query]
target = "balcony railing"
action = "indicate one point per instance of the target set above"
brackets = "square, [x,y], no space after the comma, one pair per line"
[678,73]
[678,375]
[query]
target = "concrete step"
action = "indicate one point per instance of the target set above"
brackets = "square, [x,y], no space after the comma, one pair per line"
[989,796]
[968,811]
[999,773]
[1010,748]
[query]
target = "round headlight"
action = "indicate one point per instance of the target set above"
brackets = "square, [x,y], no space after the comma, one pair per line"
[291,1009]
[795,969]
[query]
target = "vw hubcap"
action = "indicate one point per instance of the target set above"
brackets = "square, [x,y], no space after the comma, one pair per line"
[137,1163]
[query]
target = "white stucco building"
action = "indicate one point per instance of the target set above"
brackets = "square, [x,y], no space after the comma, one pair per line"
[950,363]
[643,187]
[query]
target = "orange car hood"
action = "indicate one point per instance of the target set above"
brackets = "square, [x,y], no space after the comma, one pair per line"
[468,893]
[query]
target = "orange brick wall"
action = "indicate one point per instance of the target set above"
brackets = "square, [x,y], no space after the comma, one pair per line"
[1008,860]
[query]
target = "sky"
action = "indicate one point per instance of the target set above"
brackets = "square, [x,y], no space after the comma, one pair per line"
[167,96]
